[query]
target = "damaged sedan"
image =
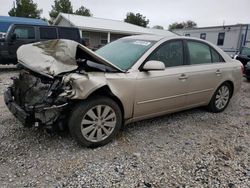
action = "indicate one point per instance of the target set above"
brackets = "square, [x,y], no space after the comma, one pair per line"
[64,84]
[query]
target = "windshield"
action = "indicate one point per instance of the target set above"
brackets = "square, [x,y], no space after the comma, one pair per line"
[124,52]
[245,51]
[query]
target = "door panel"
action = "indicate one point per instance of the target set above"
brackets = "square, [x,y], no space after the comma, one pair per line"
[205,72]
[160,91]
[203,81]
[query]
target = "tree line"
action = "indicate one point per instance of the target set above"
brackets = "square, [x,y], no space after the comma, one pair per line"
[29,9]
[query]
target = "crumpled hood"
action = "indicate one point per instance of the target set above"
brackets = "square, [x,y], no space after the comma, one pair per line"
[54,57]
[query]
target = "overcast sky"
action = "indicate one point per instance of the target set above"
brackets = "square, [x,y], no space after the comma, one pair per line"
[159,12]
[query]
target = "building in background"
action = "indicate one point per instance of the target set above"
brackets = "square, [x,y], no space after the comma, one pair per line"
[98,32]
[229,38]
[6,21]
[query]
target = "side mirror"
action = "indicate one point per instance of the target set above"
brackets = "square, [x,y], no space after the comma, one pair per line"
[154,65]
[13,36]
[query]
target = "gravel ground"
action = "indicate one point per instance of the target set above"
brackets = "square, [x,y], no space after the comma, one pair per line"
[194,148]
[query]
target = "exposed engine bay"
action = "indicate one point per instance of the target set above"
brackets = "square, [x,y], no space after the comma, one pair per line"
[39,97]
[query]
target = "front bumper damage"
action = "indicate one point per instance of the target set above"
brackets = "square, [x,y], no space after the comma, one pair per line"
[33,102]
[15,109]
[38,116]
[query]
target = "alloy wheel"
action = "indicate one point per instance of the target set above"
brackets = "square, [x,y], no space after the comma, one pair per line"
[98,123]
[222,97]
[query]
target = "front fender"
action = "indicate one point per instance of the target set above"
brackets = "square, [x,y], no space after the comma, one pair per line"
[82,85]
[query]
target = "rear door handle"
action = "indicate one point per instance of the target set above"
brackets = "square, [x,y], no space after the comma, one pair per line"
[183,77]
[218,72]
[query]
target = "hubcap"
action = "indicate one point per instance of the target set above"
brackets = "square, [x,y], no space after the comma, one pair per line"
[222,97]
[98,123]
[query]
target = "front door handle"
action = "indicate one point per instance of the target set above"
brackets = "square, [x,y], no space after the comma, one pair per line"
[183,77]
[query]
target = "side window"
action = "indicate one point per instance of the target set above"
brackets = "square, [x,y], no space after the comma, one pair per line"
[69,33]
[221,37]
[170,53]
[199,53]
[47,33]
[215,56]
[25,32]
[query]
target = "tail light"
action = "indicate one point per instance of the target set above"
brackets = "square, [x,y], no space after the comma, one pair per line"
[242,69]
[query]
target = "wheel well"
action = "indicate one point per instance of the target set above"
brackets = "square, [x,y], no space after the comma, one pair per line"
[231,86]
[105,91]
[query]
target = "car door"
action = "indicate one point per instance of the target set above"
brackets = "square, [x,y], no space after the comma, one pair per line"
[159,92]
[204,72]
[24,35]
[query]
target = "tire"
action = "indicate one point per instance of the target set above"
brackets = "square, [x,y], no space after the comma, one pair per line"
[95,122]
[221,98]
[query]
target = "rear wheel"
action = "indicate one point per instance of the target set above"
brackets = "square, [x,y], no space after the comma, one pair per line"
[221,98]
[95,122]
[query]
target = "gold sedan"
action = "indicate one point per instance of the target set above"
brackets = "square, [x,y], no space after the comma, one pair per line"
[134,78]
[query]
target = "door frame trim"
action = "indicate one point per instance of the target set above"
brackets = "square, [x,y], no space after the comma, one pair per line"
[174,96]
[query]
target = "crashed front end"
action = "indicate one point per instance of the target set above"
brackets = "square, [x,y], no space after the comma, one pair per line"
[53,77]
[37,101]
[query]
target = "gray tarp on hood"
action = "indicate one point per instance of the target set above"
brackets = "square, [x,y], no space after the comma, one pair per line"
[55,57]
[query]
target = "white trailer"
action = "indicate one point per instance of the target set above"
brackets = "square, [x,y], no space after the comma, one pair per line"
[229,38]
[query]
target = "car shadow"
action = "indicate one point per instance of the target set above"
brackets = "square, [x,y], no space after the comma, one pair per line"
[165,118]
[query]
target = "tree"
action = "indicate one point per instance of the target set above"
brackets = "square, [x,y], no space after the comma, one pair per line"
[176,25]
[25,8]
[63,6]
[158,27]
[182,25]
[83,11]
[190,24]
[136,19]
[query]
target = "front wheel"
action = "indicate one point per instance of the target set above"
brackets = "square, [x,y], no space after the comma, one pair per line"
[221,98]
[95,122]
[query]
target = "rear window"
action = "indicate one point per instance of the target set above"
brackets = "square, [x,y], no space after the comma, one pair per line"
[215,56]
[47,33]
[68,33]
[199,53]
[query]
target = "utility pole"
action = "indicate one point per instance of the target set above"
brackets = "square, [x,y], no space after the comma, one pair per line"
[14,5]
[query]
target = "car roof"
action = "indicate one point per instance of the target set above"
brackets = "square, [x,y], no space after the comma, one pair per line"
[160,37]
